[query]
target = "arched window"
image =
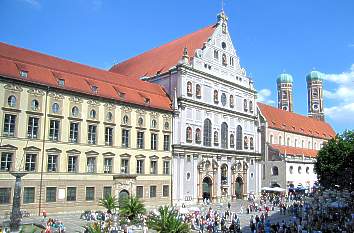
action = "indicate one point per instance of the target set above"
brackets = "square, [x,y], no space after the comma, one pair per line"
[299,170]
[75,111]
[275,171]
[245,142]
[251,106]
[55,108]
[11,101]
[216,96]
[302,144]
[153,124]
[309,145]
[109,116]
[93,114]
[307,170]
[291,169]
[245,107]
[198,91]
[285,95]
[280,140]
[288,142]
[189,88]
[35,105]
[224,174]
[295,143]
[224,135]
[189,134]
[125,120]
[315,146]
[232,103]
[140,122]
[198,135]
[251,143]
[232,140]
[207,133]
[271,139]
[216,137]
[239,137]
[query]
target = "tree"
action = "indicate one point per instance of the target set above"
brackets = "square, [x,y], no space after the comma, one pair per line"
[93,228]
[131,208]
[110,203]
[334,165]
[166,221]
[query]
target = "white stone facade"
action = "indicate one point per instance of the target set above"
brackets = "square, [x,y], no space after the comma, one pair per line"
[215,141]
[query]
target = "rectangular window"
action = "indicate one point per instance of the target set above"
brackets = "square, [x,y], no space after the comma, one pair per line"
[74,132]
[90,193]
[125,166]
[5,194]
[30,165]
[54,130]
[107,191]
[166,142]
[165,190]
[140,166]
[91,165]
[153,167]
[108,165]
[166,167]
[125,138]
[6,161]
[52,163]
[139,191]
[51,194]
[72,163]
[9,125]
[92,134]
[153,191]
[71,194]
[108,136]
[28,195]
[153,141]
[140,140]
[33,125]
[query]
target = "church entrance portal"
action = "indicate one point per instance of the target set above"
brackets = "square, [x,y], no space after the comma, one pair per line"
[207,188]
[239,188]
[122,195]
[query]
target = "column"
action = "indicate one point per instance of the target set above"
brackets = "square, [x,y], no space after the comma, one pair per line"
[229,178]
[218,181]
[181,177]
[175,180]
[195,178]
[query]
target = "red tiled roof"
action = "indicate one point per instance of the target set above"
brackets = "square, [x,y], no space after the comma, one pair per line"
[295,151]
[161,59]
[46,70]
[295,123]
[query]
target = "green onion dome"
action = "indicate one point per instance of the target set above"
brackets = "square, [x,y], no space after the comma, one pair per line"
[314,76]
[285,78]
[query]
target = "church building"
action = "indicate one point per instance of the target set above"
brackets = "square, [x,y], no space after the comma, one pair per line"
[215,139]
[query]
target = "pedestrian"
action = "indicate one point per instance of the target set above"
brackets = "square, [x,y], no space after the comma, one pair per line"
[228,205]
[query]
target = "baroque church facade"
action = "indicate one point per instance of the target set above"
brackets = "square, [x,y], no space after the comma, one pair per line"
[215,138]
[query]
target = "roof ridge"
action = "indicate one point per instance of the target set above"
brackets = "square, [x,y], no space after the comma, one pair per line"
[72,72]
[163,45]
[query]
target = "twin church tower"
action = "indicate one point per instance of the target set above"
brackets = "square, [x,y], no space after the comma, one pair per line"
[314,92]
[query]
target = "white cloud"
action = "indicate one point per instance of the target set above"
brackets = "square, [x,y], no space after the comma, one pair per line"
[264,97]
[343,94]
[34,3]
[351,45]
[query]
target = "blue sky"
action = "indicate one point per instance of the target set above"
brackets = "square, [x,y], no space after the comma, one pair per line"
[270,36]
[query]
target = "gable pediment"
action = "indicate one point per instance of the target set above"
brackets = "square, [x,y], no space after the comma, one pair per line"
[31,148]
[8,147]
[92,152]
[73,151]
[108,154]
[53,150]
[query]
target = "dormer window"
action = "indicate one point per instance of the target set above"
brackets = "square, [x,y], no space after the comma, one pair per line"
[121,94]
[23,73]
[94,89]
[146,101]
[61,82]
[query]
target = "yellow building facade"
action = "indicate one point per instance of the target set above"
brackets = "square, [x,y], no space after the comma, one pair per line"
[77,148]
